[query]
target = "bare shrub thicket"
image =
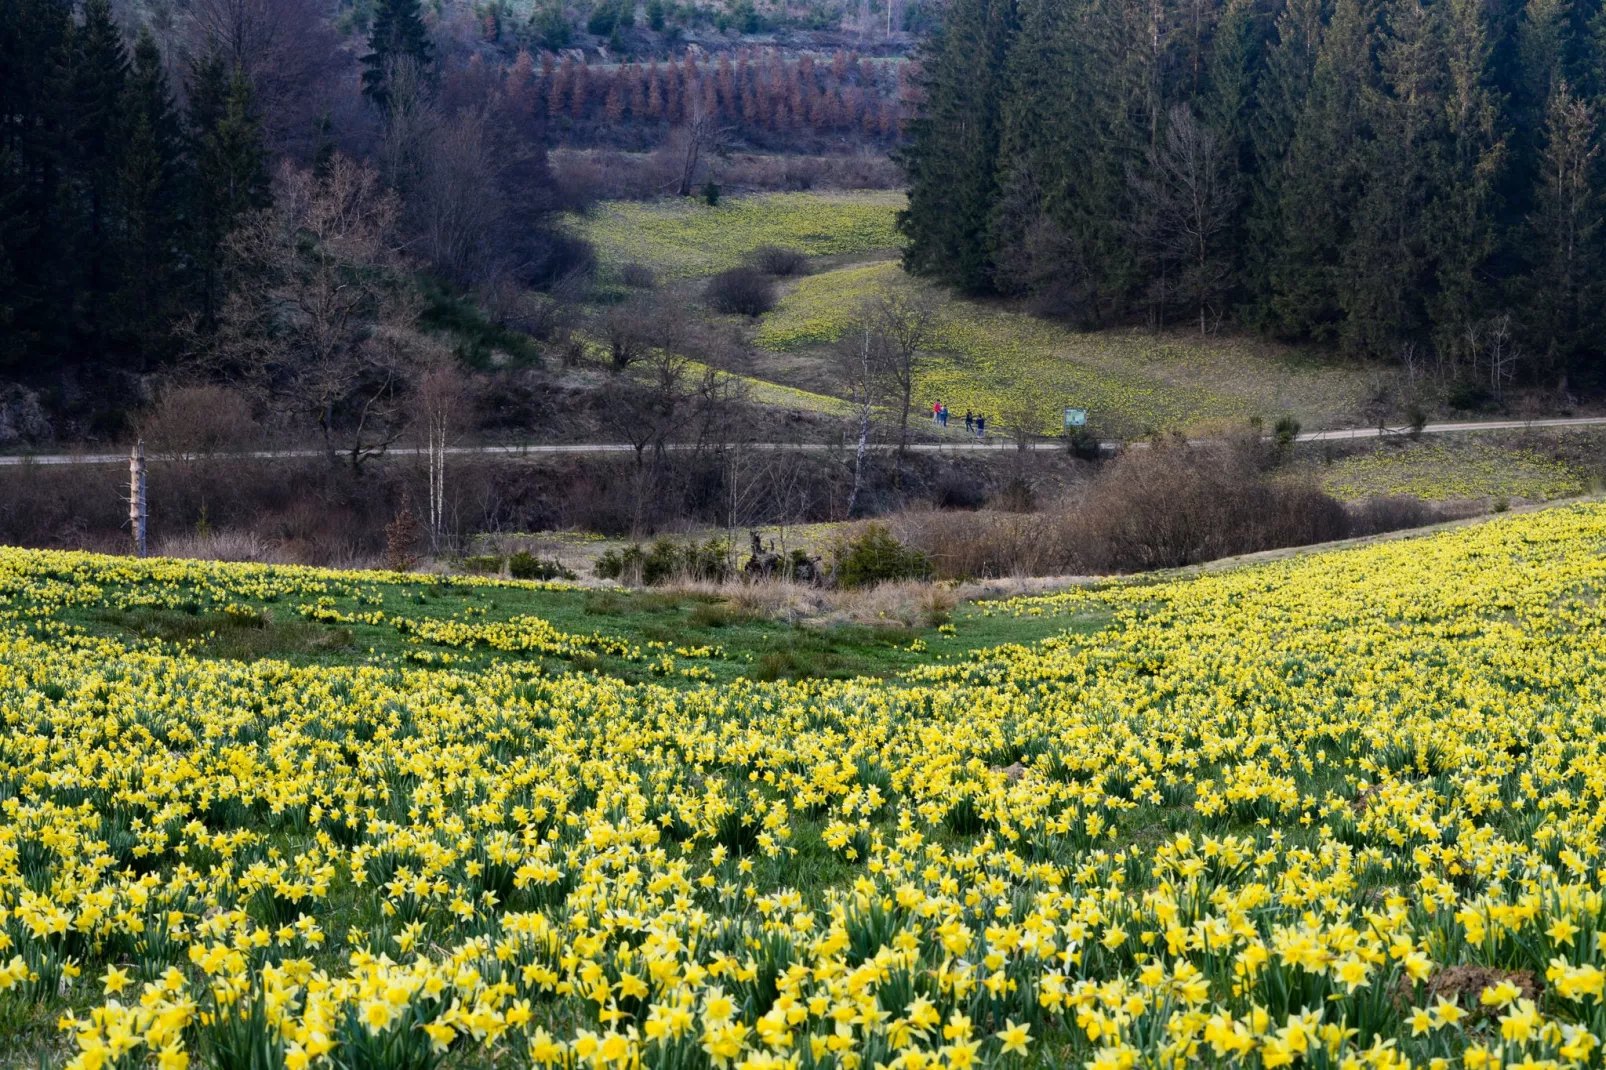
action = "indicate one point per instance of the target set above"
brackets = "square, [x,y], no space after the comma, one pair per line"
[742,291]
[320,326]
[197,422]
[779,261]
[1171,504]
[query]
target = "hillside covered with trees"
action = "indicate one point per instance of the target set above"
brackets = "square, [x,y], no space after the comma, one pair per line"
[1411,180]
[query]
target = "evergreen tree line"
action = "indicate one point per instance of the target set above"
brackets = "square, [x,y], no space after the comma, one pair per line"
[114,202]
[1411,180]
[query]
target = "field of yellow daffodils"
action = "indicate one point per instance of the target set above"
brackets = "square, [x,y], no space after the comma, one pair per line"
[1342,811]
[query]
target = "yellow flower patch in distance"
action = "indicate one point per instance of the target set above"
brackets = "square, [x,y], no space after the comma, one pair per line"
[1342,810]
[684,238]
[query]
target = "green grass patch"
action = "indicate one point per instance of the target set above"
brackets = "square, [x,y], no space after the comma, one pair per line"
[1451,471]
[997,360]
[685,238]
[726,640]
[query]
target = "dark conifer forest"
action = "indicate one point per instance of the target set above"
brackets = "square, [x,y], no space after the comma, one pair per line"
[1409,180]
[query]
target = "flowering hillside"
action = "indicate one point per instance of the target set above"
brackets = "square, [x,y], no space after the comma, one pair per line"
[1339,811]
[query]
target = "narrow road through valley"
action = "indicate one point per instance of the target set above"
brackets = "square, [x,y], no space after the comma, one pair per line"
[991,444]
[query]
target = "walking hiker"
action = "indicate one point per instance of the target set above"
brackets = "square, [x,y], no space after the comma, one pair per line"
[981,426]
[936,413]
[970,421]
[942,417]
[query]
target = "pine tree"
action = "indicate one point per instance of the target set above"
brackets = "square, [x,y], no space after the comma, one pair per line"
[398,35]
[952,157]
[148,200]
[228,176]
[1324,178]
[1386,275]
[1464,231]
[1563,239]
[98,139]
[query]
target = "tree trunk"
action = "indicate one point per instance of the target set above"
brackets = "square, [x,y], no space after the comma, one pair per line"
[864,426]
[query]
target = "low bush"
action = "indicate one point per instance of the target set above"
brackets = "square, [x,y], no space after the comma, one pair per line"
[666,560]
[1171,504]
[638,276]
[526,566]
[482,564]
[740,292]
[779,261]
[873,556]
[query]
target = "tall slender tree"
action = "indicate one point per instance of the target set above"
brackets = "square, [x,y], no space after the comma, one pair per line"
[952,157]
[398,35]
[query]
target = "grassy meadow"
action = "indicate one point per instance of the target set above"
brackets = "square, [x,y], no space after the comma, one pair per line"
[992,358]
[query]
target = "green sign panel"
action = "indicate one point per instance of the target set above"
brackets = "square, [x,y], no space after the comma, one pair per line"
[1075,417]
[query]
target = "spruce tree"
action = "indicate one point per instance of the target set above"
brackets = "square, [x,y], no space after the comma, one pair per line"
[98,137]
[952,157]
[147,201]
[1326,169]
[228,174]
[1563,241]
[398,35]
[1386,272]
[1464,232]
[1279,103]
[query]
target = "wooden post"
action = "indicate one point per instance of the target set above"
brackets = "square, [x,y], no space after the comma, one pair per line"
[136,496]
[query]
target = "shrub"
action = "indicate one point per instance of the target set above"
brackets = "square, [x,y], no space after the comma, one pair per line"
[779,261]
[1083,444]
[1287,431]
[873,556]
[665,560]
[711,194]
[550,26]
[740,291]
[526,566]
[638,276]
[603,20]
[483,564]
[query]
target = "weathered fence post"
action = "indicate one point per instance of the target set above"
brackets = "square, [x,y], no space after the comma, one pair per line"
[136,496]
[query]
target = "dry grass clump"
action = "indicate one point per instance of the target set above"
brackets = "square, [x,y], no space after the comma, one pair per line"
[910,603]
[1171,504]
[221,545]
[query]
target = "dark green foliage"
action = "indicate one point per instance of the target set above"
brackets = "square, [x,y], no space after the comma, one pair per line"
[526,566]
[874,556]
[1414,180]
[666,560]
[113,206]
[604,17]
[228,172]
[953,159]
[551,27]
[1287,430]
[398,36]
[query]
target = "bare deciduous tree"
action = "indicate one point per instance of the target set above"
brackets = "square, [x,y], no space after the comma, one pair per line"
[1186,198]
[904,319]
[698,136]
[1022,415]
[320,321]
[666,398]
[286,47]
[196,422]
[637,327]
[442,403]
[860,366]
